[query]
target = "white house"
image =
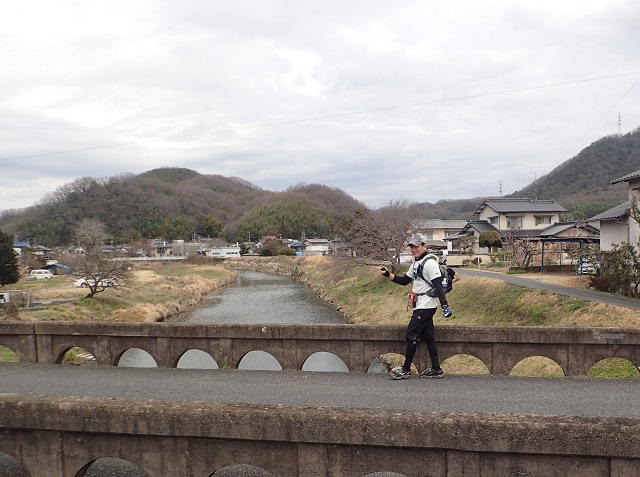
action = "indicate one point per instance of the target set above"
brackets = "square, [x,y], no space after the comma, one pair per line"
[316,247]
[511,215]
[616,224]
[228,251]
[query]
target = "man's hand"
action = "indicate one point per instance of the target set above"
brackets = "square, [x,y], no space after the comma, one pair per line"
[384,271]
[446,311]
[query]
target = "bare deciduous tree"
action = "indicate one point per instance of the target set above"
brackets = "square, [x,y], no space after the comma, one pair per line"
[381,234]
[90,234]
[522,250]
[100,272]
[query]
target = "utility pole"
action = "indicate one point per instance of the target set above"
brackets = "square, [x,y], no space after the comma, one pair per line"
[535,178]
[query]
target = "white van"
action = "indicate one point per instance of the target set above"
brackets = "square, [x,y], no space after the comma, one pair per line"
[40,274]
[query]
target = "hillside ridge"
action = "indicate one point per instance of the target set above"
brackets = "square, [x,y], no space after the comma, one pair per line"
[175,202]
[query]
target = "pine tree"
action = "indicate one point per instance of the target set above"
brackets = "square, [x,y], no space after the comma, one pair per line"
[8,261]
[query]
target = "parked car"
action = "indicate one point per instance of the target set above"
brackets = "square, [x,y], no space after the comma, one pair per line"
[103,282]
[40,274]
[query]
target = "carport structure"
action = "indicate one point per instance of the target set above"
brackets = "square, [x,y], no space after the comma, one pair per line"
[576,232]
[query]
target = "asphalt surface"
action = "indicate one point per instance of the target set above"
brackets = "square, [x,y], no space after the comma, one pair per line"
[584,293]
[454,393]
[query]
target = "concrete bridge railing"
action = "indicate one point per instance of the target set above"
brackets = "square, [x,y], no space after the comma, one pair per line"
[62,437]
[574,349]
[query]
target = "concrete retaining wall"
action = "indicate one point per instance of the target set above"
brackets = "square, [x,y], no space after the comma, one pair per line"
[58,437]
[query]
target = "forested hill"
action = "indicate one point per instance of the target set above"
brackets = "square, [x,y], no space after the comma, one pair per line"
[581,184]
[175,203]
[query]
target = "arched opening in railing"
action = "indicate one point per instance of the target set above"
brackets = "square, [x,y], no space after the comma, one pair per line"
[77,356]
[10,466]
[110,466]
[242,470]
[135,358]
[465,364]
[378,366]
[8,356]
[384,474]
[392,360]
[259,360]
[196,359]
[324,361]
[537,366]
[613,368]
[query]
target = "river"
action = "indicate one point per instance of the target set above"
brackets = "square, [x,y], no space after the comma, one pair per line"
[259,298]
[264,298]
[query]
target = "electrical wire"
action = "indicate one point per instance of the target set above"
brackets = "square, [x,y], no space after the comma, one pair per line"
[599,120]
[331,116]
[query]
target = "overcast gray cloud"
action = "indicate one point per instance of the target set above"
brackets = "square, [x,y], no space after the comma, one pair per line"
[449,99]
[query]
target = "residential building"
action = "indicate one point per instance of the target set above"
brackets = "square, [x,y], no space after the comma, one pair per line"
[616,224]
[316,247]
[228,251]
[510,217]
[519,216]
[435,231]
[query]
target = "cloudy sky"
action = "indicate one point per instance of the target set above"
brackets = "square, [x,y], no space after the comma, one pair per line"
[417,100]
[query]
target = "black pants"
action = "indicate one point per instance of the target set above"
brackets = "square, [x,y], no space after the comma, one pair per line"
[421,328]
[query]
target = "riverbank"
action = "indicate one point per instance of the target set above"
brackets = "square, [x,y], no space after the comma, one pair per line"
[160,290]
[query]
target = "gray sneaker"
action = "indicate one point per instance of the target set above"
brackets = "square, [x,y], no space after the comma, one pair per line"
[432,373]
[399,373]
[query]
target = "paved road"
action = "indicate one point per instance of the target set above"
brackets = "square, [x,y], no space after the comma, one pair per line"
[475,394]
[584,293]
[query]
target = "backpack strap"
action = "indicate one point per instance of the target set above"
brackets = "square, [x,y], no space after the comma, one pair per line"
[420,267]
[444,272]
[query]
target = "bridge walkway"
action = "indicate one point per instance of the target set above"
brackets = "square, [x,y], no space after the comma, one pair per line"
[581,397]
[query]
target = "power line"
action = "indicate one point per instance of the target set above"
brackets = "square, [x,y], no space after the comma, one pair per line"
[601,118]
[331,116]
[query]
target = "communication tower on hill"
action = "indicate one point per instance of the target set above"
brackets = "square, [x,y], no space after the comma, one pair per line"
[619,126]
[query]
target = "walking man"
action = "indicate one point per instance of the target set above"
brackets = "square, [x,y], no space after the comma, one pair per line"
[427,292]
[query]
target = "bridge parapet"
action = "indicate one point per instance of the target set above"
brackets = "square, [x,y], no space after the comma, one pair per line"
[574,349]
[56,437]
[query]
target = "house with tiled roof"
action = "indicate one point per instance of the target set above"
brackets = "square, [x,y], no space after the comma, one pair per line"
[508,214]
[566,230]
[511,218]
[616,224]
